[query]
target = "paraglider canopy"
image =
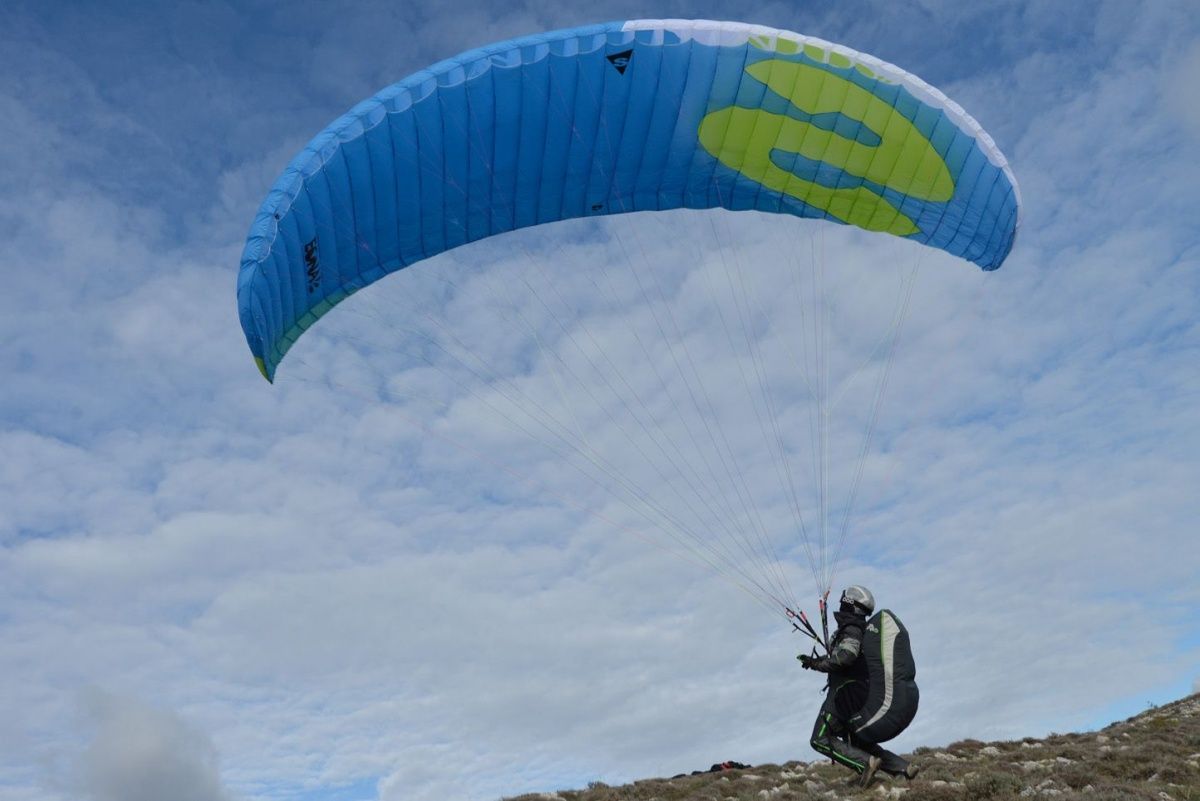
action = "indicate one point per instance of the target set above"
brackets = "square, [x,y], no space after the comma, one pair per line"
[619,117]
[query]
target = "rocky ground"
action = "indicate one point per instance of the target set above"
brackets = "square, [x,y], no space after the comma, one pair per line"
[1154,756]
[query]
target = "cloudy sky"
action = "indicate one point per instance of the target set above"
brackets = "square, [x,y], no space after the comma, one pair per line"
[364,583]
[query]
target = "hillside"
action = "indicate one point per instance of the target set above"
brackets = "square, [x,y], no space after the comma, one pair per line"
[1154,756]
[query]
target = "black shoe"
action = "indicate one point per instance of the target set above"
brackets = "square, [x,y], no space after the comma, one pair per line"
[911,772]
[868,774]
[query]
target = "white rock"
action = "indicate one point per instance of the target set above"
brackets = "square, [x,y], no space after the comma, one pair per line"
[1102,738]
[1064,761]
[1028,766]
[1027,792]
[813,787]
[788,775]
[944,757]
[990,750]
[1032,745]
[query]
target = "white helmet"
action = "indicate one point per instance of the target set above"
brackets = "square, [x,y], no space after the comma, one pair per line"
[860,598]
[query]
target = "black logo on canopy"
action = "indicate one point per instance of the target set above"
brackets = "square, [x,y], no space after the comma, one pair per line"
[621,60]
[312,265]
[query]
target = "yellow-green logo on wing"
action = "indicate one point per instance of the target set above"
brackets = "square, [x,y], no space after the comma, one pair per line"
[904,160]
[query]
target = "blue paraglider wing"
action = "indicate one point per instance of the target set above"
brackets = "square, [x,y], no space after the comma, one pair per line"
[612,118]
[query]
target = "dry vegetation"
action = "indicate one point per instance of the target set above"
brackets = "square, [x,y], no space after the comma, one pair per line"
[1152,757]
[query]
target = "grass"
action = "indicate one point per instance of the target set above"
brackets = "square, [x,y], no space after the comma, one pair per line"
[1154,756]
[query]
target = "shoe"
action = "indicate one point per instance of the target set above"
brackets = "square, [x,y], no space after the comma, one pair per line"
[868,774]
[911,771]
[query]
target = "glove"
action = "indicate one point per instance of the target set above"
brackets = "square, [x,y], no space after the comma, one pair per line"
[817,663]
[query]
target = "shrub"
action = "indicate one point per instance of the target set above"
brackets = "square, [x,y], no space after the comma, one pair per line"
[942,793]
[992,784]
[1075,776]
[966,747]
[1135,764]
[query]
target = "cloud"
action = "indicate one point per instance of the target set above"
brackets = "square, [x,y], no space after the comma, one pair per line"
[139,753]
[1177,79]
[340,576]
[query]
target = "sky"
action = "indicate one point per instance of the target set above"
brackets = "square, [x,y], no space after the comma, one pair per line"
[361,583]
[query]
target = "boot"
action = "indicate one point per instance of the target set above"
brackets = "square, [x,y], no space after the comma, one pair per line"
[868,774]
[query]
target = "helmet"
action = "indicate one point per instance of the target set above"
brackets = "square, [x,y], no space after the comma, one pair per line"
[860,598]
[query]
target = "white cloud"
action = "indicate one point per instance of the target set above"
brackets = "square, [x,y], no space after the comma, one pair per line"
[336,595]
[1178,82]
[138,753]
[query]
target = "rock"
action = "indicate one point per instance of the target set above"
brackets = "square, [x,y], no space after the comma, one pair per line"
[990,750]
[1028,766]
[1032,745]
[890,792]
[1064,761]
[813,787]
[944,757]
